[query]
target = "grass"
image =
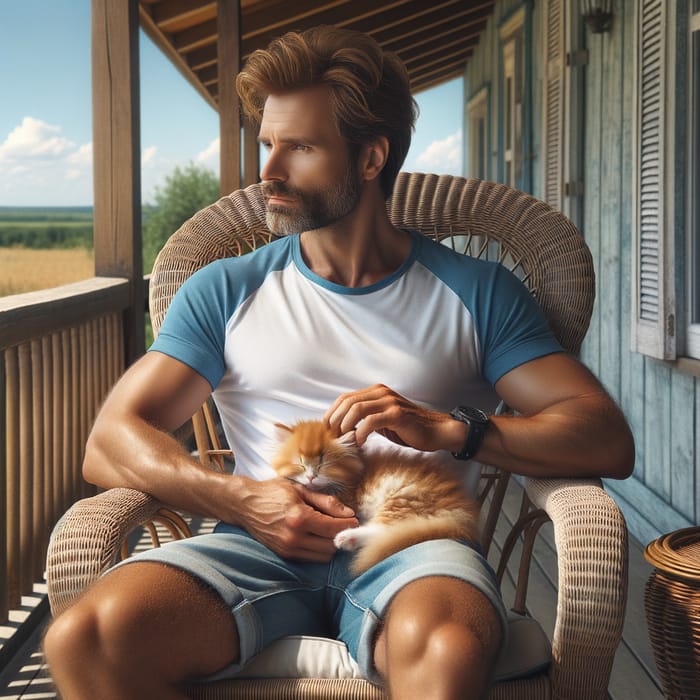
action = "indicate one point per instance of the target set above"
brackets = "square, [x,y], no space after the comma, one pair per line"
[28,269]
[46,227]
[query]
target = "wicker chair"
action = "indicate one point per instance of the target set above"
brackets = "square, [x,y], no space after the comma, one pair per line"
[482,219]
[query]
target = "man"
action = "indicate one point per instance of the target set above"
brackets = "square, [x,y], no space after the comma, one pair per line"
[350,319]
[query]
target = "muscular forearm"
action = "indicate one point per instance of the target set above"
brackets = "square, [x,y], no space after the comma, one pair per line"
[576,430]
[129,452]
[582,436]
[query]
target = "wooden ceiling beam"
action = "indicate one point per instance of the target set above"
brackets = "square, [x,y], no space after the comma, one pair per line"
[440,59]
[457,64]
[159,39]
[256,21]
[196,37]
[340,15]
[208,75]
[430,45]
[176,15]
[475,15]
[437,79]
[429,36]
[203,57]
[387,18]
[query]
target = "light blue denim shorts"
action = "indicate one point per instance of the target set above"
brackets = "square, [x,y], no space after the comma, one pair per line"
[271,597]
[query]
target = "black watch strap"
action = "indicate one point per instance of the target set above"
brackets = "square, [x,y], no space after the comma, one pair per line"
[478,422]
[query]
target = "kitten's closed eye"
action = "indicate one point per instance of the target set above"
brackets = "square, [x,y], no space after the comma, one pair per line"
[311,455]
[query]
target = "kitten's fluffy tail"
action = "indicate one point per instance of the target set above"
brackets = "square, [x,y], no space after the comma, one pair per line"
[409,531]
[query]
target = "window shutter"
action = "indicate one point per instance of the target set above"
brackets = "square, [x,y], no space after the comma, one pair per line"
[653,331]
[553,137]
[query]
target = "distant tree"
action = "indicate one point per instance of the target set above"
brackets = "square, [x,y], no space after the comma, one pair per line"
[185,192]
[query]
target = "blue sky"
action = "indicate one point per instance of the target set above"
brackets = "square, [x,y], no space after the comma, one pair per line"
[46,123]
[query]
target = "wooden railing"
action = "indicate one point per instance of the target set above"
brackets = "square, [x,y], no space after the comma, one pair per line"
[61,350]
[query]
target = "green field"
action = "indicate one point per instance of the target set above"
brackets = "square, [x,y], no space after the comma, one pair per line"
[46,227]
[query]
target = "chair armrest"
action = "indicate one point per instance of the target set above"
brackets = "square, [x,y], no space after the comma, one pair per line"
[591,540]
[87,540]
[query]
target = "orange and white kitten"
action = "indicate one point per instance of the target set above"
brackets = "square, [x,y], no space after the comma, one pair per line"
[399,498]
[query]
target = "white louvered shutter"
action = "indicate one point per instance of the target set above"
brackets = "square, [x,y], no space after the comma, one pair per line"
[653,298]
[553,137]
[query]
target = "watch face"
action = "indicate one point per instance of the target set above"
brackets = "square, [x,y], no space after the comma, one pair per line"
[472,414]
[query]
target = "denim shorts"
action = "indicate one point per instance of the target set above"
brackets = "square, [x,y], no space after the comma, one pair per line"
[271,597]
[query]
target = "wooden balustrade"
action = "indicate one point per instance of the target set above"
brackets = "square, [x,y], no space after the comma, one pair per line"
[60,352]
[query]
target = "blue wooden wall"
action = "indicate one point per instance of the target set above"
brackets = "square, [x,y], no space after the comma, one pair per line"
[661,400]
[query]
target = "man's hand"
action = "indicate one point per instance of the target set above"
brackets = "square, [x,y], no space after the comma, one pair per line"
[293,521]
[380,409]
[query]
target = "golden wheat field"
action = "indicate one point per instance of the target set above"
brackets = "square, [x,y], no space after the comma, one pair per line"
[27,269]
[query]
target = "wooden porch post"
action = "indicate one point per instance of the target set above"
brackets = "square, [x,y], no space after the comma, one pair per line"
[116,156]
[229,54]
[251,154]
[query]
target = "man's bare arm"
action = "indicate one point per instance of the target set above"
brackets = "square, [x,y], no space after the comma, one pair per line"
[568,426]
[130,446]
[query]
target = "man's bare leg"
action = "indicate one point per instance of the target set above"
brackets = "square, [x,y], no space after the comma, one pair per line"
[138,633]
[439,641]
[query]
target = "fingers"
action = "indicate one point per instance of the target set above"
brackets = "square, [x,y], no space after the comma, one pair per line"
[372,409]
[327,504]
[379,409]
[309,534]
[294,522]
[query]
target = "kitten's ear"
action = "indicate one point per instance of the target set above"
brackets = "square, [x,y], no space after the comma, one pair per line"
[348,439]
[283,431]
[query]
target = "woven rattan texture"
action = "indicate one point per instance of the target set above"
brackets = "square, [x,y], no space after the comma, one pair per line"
[592,554]
[88,539]
[536,688]
[672,605]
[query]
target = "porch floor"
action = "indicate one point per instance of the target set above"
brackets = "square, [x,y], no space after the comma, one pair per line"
[634,674]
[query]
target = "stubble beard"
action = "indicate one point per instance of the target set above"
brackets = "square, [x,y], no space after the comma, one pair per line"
[315,209]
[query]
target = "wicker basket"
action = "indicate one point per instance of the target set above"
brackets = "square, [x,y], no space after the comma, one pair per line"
[672,604]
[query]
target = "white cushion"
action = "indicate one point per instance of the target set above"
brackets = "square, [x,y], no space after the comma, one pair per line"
[527,651]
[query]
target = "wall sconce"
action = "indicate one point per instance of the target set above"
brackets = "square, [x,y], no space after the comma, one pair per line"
[597,14]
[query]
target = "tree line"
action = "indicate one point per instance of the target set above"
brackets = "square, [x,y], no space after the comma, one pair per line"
[185,191]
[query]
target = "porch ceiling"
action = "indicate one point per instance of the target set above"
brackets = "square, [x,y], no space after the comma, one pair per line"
[434,38]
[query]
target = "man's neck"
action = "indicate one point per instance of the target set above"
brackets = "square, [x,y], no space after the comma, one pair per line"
[359,250]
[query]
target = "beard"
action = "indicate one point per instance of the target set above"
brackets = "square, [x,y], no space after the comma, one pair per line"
[314,208]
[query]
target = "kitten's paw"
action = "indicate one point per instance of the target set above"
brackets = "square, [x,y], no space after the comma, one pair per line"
[347,539]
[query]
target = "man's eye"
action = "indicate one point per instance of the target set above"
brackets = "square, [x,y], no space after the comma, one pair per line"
[300,147]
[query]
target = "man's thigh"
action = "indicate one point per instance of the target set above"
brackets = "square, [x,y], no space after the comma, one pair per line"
[152,615]
[267,596]
[362,603]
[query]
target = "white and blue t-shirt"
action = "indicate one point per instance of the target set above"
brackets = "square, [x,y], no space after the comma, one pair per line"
[278,343]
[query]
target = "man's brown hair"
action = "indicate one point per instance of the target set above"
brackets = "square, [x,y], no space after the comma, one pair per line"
[369,87]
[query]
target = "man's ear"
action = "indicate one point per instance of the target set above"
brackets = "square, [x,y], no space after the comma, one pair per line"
[373,157]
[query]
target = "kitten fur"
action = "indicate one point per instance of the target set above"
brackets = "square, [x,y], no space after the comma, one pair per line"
[399,498]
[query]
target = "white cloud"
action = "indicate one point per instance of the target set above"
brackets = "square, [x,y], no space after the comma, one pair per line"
[34,139]
[443,156]
[81,157]
[38,164]
[148,155]
[210,153]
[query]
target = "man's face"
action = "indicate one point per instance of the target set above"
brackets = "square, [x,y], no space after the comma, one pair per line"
[309,180]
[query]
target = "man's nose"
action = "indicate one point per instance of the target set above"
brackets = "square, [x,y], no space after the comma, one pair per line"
[272,170]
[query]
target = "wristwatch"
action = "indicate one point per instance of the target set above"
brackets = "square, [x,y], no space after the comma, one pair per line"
[478,421]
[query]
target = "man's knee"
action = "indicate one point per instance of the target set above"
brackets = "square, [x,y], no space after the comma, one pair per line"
[440,621]
[97,626]
[70,637]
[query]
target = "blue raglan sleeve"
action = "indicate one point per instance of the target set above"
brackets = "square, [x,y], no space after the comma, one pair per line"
[194,327]
[511,326]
